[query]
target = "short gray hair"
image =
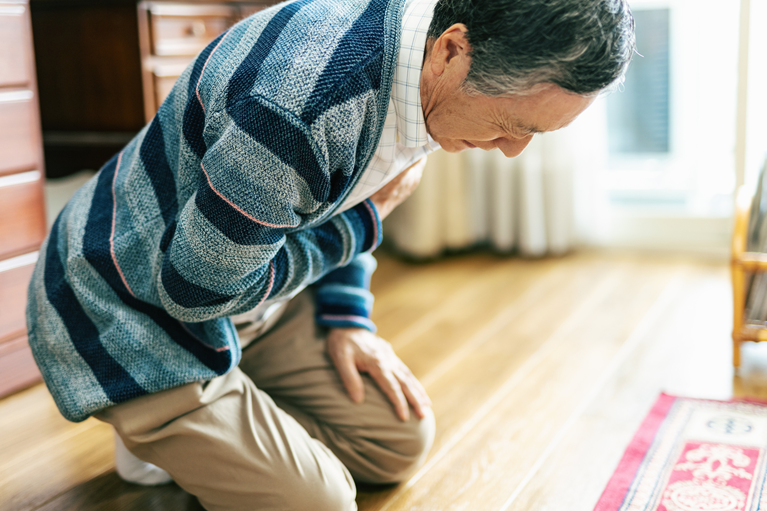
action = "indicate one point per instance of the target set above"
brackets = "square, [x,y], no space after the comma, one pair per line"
[583,46]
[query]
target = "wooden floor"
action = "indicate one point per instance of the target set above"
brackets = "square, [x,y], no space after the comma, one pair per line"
[540,373]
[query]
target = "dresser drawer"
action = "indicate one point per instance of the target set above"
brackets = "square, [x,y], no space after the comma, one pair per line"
[186,29]
[14,69]
[19,135]
[165,77]
[249,9]
[13,295]
[17,366]
[22,213]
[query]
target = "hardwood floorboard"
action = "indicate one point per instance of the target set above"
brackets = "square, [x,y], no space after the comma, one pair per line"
[426,287]
[540,372]
[108,492]
[44,455]
[681,354]
[66,461]
[480,464]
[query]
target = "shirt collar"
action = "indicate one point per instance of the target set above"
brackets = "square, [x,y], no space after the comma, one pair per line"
[411,127]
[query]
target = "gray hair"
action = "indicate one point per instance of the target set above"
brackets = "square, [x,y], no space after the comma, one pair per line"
[583,46]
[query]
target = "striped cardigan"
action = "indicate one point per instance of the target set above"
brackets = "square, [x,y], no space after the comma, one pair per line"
[223,202]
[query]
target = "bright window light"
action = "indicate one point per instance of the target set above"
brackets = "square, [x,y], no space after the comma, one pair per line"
[671,127]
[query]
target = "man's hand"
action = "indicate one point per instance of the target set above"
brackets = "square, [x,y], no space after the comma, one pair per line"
[355,350]
[398,189]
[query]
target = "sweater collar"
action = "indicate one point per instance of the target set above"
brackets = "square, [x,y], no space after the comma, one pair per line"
[411,127]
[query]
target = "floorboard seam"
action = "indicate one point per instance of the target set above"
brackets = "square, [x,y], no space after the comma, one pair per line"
[535,359]
[631,343]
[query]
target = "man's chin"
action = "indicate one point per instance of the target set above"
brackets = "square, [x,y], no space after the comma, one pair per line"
[455,146]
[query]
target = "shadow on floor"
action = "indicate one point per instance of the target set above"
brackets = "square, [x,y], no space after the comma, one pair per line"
[110,493]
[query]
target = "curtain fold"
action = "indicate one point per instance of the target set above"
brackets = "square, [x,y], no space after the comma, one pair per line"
[478,198]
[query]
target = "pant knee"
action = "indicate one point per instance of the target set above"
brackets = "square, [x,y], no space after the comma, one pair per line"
[421,437]
[321,496]
[405,452]
[330,489]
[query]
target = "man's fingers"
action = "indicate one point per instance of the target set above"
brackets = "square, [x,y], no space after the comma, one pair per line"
[350,376]
[355,351]
[406,377]
[390,386]
[413,397]
[421,391]
[414,391]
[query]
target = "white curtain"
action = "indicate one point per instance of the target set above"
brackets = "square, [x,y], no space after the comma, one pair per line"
[525,205]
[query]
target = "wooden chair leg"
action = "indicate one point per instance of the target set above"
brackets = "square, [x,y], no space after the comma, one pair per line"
[739,304]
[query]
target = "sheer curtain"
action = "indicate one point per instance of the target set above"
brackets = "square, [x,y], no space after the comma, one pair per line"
[542,202]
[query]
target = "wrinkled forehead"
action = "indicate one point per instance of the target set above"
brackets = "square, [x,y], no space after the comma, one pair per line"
[549,109]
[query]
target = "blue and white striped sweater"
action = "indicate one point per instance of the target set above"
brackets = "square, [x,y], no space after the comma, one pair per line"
[225,200]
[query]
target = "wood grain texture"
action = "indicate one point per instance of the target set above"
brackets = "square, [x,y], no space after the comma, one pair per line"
[540,372]
[97,66]
[17,366]
[88,66]
[22,218]
[19,136]
[250,9]
[108,492]
[186,29]
[43,454]
[13,301]
[674,354]
[490,459]
[14,67]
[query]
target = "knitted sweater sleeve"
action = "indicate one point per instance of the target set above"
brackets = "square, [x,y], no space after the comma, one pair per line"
[240,239]
[343,296]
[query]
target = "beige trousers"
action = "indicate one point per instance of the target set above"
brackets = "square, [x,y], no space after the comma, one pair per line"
[278,432]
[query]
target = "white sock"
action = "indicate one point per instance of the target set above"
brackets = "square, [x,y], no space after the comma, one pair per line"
[133,470]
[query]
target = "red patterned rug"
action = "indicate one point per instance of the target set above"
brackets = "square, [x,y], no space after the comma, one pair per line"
[693,455]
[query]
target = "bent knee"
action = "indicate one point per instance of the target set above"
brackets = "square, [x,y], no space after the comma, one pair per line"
[403,450]
[320,496]
[329,489]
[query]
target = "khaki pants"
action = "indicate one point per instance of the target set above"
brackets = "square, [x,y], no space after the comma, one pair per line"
[278,432]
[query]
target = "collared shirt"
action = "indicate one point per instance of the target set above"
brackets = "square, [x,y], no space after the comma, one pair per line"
[404,139]
[403,142]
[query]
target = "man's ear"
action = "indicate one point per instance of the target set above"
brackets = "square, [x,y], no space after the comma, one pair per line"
[450,50]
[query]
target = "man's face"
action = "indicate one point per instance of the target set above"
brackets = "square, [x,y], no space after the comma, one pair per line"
[459,121]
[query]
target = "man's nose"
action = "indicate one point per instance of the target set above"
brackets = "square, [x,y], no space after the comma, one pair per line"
[512,147]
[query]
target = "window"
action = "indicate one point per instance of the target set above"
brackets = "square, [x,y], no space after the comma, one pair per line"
[638,118]
[672,125]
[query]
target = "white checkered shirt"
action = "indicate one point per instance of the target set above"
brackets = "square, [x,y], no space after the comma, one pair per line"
[404,139]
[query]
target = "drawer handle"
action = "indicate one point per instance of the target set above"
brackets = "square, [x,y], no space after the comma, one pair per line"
[19,179]
[198,29]
[12,10]
[22,95]
[18,262]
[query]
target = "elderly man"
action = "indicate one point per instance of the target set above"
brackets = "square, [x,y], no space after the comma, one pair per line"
[171,298]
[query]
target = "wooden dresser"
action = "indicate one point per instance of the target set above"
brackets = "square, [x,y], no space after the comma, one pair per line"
[22,212]
[104,67]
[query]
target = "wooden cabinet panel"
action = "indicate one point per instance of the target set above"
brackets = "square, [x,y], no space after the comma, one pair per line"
[186,29]
[90,52]
[22,213]
[17,366]
[14,68]
[163,86]
[88,67]
[248,9]
[165,76]
[19,132]
[13,301]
